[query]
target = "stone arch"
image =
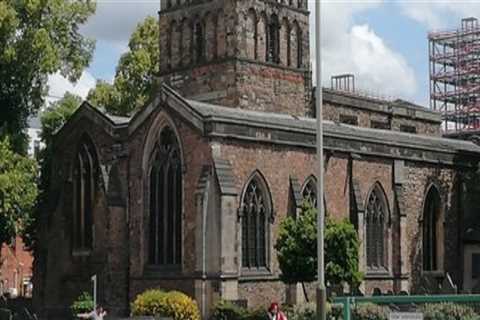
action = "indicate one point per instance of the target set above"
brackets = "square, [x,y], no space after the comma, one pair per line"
[377,229]
[161,120]
[294,34]
[309,190]
[262,30]
[210,36]
[150,159]
[198,40]
[251,34]
[173,45]
[285,42]
[296,45]
[433,233]
[273,39]
[85,184]
[186,42]
[221,35]
[256,211]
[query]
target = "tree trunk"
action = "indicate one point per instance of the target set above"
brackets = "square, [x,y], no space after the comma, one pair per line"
[305,292]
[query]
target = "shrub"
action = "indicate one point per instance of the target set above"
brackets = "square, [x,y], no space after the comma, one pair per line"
[449,311]
[173,304]
[370,311]
[83,304]
[226,310]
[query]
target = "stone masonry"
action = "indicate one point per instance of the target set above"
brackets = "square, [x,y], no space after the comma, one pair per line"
[236,93]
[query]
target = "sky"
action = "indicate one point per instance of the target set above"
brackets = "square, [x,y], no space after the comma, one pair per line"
[383,43]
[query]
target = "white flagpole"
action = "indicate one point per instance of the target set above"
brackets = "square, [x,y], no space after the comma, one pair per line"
[321,290]
[94,279]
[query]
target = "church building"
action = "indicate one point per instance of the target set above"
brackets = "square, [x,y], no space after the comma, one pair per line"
[189,192]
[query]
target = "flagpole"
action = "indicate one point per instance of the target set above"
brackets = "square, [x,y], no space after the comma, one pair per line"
[321,289]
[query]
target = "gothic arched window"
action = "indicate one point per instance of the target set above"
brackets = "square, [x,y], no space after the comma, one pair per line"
[273,40]
[255,212]
[199,42]
[165,234]
[432,231]
[299,48]
[309,191]
[376,221]
[84,188]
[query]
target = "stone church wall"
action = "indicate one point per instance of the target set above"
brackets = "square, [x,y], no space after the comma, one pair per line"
[278,163]
[62,274]
[196,154]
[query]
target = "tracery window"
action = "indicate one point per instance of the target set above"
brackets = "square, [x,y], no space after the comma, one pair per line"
[84,187]
[376,229]
[255,211]
[309,191]
[199,42]
[299,48]
[273,40]
[165,234]
[432,231]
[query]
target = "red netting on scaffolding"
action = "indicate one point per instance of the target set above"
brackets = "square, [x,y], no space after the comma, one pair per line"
[455,76]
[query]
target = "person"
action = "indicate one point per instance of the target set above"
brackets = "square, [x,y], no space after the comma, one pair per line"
[274,312]
[98,314]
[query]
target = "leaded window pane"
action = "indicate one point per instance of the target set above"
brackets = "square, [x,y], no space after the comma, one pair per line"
[431,220]
[254,226]
[83,195]
[309,192]
[166,202]
[376,230]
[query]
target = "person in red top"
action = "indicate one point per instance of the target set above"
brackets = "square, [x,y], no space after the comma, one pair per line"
[274,312]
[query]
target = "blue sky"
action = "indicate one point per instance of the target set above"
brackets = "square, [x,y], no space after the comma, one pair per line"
[384,43]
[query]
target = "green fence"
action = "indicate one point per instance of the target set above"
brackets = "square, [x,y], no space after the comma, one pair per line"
[404,303]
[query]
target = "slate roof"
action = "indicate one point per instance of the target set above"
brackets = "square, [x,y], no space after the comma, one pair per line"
[284,121]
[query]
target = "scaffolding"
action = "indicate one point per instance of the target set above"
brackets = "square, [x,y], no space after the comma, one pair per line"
[455,76]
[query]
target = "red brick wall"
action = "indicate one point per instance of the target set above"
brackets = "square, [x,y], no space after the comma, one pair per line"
[15,267]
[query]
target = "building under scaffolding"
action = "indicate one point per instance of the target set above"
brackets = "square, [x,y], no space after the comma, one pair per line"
[455,76]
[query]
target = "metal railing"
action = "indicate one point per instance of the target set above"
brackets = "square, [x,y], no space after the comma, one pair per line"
[396,303]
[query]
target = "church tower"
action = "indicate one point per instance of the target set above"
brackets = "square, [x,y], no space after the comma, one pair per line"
[249,54]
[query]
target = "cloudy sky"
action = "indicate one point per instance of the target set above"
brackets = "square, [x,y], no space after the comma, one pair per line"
[384,43]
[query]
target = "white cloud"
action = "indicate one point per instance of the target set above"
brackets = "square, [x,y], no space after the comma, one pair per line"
[440,14]
[357,49]
[115,20]
[58,85]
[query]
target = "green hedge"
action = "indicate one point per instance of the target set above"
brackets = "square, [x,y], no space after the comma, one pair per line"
[449,311]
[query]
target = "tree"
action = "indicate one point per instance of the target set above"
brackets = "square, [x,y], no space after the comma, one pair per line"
[52,119]
[38,38]
[18,191]
[297,250]
[55,116]
[134,81]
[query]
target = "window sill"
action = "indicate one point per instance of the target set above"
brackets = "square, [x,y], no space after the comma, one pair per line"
[162,271]
[380,273]
[257,274]
[433,273]
[81,252]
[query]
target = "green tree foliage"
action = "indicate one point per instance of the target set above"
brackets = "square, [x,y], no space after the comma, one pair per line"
[55,116]
[134,81]
[297,250]
[18,191]
[38,38]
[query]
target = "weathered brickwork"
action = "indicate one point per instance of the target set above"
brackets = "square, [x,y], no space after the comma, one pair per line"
[15,268]
[262,88]
[388,115]
[234,67]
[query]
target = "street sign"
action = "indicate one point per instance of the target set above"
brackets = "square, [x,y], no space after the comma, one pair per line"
[405,316]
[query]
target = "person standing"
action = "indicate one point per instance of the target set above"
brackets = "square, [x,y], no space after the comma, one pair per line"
[274,312]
